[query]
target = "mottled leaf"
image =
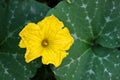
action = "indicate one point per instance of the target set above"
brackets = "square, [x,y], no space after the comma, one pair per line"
[14,15]
[95,26]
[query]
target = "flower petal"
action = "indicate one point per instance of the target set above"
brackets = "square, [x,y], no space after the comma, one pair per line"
[22,44]
[31,39]
[31,36]
[53,57]
[62,41]
[33,53]
[50,24]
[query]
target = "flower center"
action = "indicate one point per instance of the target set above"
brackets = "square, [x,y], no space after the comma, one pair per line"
[44,43]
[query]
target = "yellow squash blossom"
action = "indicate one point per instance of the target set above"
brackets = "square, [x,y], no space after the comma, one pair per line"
[48,38]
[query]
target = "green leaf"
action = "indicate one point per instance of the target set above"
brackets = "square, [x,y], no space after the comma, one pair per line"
[15,14]
[95,26]
[13,67]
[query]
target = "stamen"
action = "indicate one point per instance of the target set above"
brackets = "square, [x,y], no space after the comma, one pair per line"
[44,43]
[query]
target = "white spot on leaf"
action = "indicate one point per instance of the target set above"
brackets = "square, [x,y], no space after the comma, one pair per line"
[110,74]
[67,14]
[105,70]
[116,65]
[84,6]
[72,24]
[97,2]
[73,76]
[68,65]
[6,71]
[68,20]
[91,72]
[32,10]
[75,36]
[87,18]
[108,19]
[12,17]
